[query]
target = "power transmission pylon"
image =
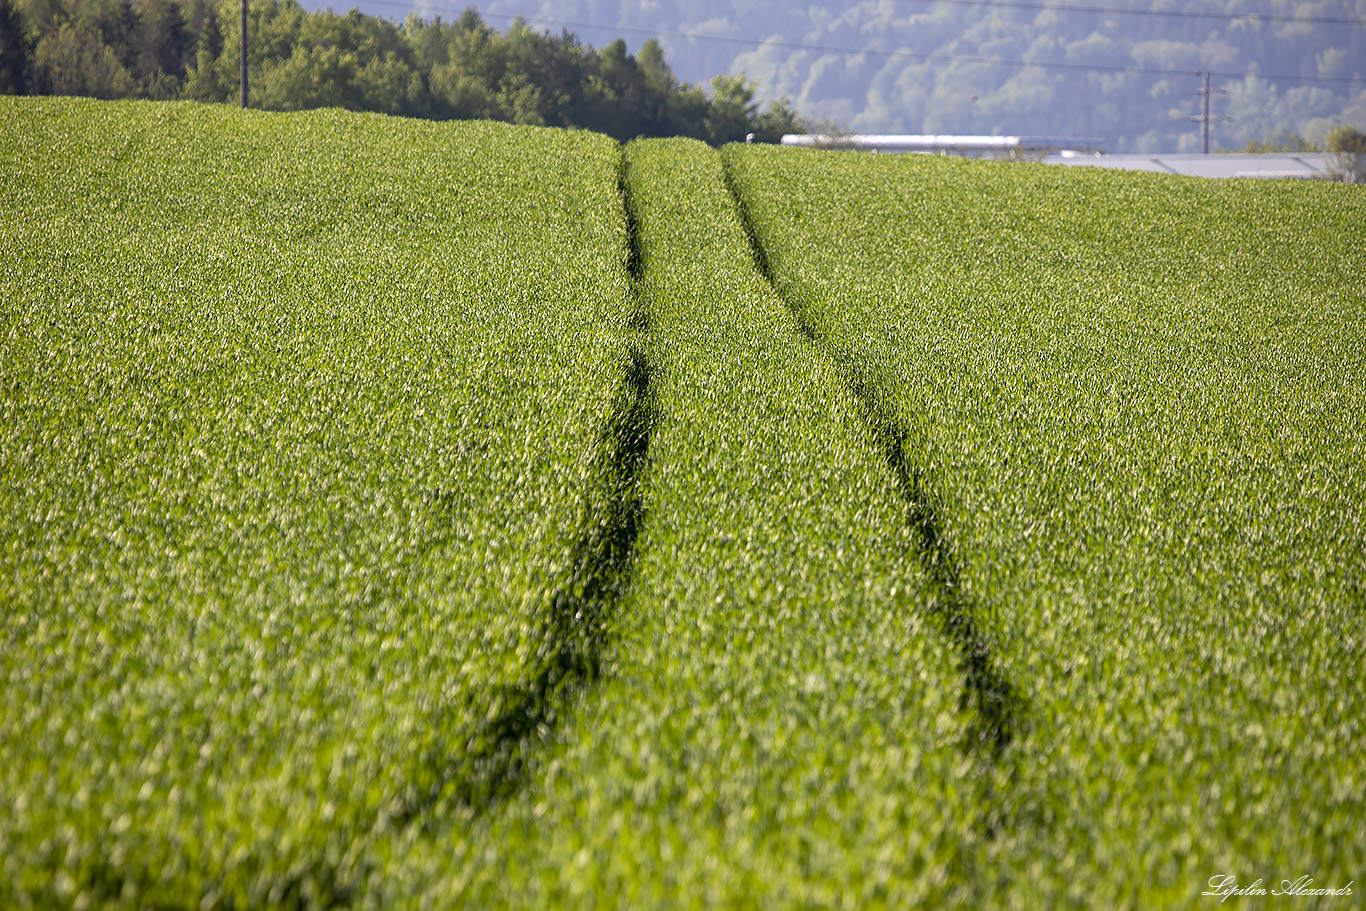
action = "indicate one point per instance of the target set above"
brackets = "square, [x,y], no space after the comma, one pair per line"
[1205,118]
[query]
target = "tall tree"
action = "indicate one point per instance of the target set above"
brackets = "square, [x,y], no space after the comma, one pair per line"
[732,109]
[162,46]
[75,60]
[14,51]
[621,99]
[206,79]
[469,60]
[113,22]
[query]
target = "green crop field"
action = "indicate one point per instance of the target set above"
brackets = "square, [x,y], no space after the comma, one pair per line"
[397,514]
[1135,409]
[305,426]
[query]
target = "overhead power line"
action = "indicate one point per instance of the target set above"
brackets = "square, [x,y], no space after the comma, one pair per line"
[871,52]
[1157,13]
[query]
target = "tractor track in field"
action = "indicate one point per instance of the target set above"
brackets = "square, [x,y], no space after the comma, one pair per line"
[995,706]
[574,624]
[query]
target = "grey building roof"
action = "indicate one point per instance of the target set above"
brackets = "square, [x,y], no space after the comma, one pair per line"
[1219,164]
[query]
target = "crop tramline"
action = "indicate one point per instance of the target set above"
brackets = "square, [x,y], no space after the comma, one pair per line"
[1135,403]
[779,723]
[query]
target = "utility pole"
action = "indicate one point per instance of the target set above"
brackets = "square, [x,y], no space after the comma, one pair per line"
[1204,119]
[244,53]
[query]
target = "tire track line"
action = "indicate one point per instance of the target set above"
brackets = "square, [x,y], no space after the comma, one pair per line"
[997,709]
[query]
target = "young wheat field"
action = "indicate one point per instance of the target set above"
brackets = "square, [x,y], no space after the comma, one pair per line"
[409,515]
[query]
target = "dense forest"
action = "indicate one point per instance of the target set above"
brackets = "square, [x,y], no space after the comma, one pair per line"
[1123,71]
[464,68]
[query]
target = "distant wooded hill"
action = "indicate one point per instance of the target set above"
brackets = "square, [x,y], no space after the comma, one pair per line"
[923,67]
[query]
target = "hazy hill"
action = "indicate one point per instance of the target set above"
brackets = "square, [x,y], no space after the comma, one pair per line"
[926,65]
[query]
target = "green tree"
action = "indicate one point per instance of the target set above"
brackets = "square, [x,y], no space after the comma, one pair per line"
[113,22]
[197,13]
[777,119]
[206,79]
[75,60]
[546,78]
[388,83]
[689,108]
[465,61]
[1347,147]
[311,77]
[659,85]
[732,109]
[163,47]
[614,98]
[14,51]
[520,101]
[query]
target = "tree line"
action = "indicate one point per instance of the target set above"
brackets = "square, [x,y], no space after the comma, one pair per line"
[463,69]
